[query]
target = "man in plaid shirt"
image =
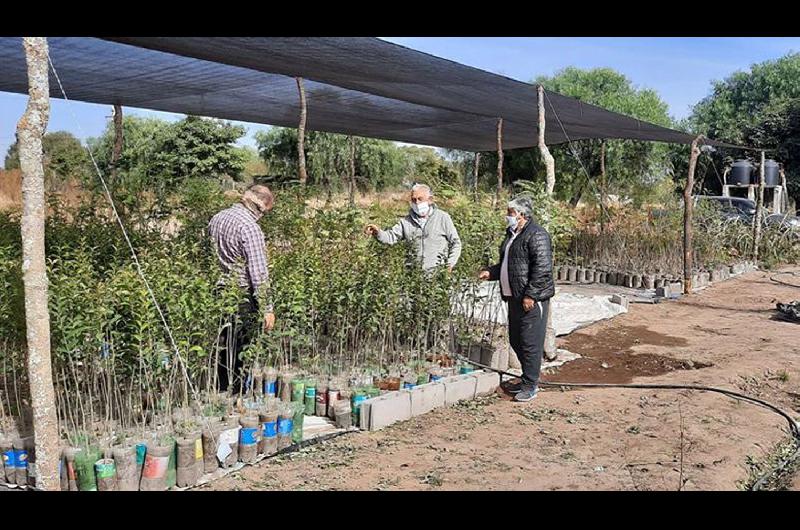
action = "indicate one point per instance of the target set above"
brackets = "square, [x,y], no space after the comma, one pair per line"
[241,251]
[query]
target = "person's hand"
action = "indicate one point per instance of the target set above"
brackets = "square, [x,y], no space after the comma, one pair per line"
[483,275]
[527,303]
[371,230]
[269,321]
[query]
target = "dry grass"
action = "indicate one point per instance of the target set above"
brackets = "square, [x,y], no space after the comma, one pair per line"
[10,189]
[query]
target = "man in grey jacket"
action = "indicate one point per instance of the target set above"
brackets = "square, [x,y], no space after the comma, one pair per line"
[429,229]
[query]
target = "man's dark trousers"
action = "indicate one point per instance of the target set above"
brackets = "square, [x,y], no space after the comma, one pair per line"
[239,333]
[526,333]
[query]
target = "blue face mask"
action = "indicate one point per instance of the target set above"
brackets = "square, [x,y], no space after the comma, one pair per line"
[512,221]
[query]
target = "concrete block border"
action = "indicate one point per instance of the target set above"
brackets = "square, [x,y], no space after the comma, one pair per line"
[386,409]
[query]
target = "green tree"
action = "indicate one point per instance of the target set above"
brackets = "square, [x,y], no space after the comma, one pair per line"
[378,163]
[758,108]
[197,147]
[631,167]
[64,156]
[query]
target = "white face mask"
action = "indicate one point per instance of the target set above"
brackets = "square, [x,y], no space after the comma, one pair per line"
[421,208]
[512,221]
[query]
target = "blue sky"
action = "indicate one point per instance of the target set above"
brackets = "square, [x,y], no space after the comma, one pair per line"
[680,69]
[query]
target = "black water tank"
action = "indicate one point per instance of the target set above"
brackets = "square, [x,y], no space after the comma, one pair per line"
[772,176]
[740,173]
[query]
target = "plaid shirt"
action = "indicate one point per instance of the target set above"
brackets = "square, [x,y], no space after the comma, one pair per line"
[237,237]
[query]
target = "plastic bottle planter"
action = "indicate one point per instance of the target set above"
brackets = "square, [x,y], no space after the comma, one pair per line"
[125,461]
[156,463]
[285,427]
[359,396]
[321,402]
[9,465]
[20,463]
[310,401]
[249,437]
[190,452]
[269,433]
[297,425]
[106,473]
[333,397]
[408,386]
[85,460]
[298,390]
[210,434]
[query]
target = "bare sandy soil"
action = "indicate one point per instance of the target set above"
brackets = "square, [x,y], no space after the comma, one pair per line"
[594,439]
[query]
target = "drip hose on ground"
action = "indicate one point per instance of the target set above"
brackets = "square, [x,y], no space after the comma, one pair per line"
[794,427]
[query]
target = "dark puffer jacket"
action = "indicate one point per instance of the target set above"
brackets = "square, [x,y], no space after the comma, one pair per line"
[530,264]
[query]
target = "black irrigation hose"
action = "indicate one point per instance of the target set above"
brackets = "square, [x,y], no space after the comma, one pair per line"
[793,425]
[791,273]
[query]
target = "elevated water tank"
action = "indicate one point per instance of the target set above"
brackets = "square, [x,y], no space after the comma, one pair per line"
[741,172]
[772,175]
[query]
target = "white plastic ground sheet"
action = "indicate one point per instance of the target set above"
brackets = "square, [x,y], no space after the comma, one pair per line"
[569,311]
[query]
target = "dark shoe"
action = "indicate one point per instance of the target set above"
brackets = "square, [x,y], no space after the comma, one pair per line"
[526,394]
[512,388]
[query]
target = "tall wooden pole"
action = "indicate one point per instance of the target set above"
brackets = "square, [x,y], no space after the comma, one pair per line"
[30,129]
[301,134]
[687,217]
[759,206]
[116,152]
[499,156]
[475,174]
[549,162]
[352,170]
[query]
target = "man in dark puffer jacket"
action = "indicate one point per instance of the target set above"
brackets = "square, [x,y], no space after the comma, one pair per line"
[525,273]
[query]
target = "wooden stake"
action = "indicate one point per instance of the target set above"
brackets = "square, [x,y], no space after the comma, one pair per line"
[352,170]
[475,173]
[30,129]
[301,134]
[687,218]
[549,162]
[116,152]
[759,206]
[499,155]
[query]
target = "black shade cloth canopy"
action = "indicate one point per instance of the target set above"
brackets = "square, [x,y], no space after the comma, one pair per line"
[354,85]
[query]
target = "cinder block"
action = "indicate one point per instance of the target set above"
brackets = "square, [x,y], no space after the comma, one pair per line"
[458,388]
[572,273]
[602,277]
[620,300]
[425,398]
[648,281]
[663,292]
[716,275]
[487,382]
[389,408]
[637,281]
[675,288]
[659,282]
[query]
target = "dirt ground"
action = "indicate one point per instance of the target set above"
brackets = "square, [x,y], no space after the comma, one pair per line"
[594,439]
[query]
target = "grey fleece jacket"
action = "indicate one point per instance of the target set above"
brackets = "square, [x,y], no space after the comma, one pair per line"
[435,244]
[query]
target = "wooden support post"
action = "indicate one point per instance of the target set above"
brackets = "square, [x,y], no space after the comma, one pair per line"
[475,174]
[30,129]
[301,134]
[499,156]
[116,152]
[352,171]
[687,217]
[759,207]
[549,162]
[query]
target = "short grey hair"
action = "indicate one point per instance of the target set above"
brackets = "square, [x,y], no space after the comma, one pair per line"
[420,186]
[522,205]
[258,198]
